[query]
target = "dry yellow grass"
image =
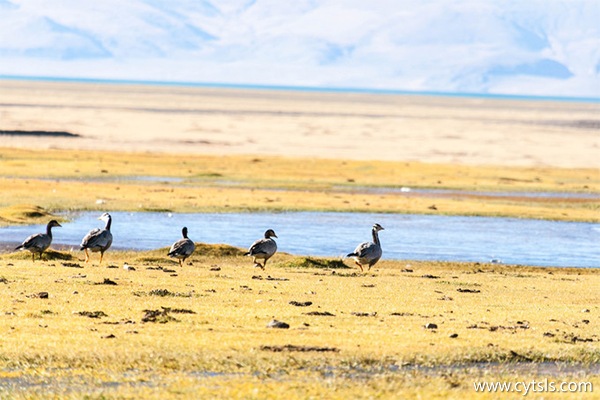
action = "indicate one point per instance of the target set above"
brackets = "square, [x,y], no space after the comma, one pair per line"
[82,180]
[87,339]
[510,322]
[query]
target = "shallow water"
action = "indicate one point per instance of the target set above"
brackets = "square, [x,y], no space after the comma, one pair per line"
[410,237]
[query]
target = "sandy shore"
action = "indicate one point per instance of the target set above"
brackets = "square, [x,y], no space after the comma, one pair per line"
[307,124]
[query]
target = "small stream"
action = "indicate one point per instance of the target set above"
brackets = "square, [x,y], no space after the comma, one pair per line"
[328,234]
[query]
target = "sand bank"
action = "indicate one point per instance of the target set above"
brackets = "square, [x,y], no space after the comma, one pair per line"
[308,124]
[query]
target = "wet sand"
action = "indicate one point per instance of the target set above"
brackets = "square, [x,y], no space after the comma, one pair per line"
[357,126]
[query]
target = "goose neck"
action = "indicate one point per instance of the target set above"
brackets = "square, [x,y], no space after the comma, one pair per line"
[375,237]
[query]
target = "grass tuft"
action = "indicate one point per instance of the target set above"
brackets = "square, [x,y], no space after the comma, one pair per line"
[24,214]
[311,262]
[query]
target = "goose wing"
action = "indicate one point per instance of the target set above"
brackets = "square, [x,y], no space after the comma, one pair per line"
[184,247]
[364,249]
[367,252]
[39,241]
[97,239]
[263,246]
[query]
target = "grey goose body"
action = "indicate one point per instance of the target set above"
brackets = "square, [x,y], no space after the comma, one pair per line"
[98,240]
[368,253]
[183,248]
[39,242]
[263,249]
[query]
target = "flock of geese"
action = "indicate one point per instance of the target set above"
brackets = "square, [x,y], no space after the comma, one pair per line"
[99,240]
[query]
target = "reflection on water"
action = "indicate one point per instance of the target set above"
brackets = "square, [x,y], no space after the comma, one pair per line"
[418,237]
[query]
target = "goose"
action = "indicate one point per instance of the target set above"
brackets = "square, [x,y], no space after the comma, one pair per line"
[368,252]
[183,248]
[263,248]
[39,242]
[98,240]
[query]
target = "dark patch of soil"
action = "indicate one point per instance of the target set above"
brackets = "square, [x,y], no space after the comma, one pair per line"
[39,133]
[291,347]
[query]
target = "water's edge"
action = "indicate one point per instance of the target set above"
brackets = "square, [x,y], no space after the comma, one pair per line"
[334,234]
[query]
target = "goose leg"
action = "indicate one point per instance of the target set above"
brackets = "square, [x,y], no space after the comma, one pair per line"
[101,255]
[361,268]
[87,256]
[33,257]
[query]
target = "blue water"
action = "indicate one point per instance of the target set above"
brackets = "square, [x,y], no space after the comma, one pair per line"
[406,237]
[301,88]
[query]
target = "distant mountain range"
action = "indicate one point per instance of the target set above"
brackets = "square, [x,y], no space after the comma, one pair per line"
[532,47]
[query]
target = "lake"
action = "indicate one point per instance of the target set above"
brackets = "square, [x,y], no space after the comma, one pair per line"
[332,234]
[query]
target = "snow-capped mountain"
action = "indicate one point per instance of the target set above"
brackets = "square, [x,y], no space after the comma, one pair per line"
[533,47]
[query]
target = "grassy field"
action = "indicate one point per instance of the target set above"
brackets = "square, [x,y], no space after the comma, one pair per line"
[58,180]
[160,331]
[403,330]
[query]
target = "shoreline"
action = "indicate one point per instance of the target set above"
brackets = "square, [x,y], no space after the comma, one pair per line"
[313,89]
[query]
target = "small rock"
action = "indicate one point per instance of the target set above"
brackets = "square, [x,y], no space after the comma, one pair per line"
[321,313]
[278,324]
[40,295]
[270,278]
[431,326]
[364,314]
[215,269]
[585,310]
[107,281]
[301,304]
[468,290]
[128,267]
[454,336]
[111,336]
